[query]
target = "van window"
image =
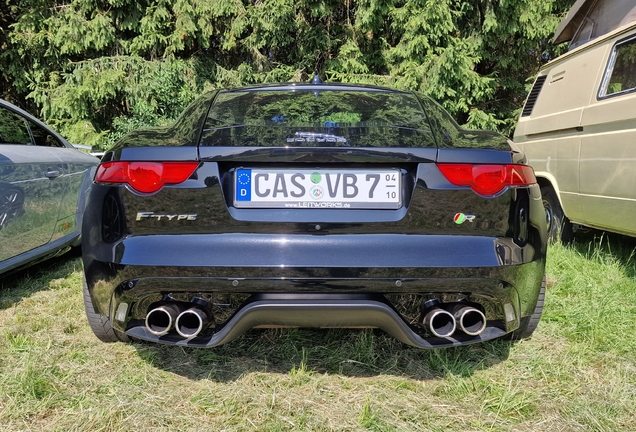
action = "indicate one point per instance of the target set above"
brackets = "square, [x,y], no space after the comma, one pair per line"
[603,17]
[620,76]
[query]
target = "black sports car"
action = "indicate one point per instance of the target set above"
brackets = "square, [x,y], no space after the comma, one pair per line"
[314,205]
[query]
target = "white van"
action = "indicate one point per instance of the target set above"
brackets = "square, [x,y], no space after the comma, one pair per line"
[578,125]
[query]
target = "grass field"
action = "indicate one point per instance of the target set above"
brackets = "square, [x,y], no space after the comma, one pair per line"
[577,373]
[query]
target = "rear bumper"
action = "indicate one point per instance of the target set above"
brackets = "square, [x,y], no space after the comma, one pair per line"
[383,287]
[252,250]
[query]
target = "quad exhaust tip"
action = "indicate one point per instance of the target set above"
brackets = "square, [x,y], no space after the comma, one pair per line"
[471,320]
[159,321]
[444,321]
[187,319]
[192,321]
[440,322]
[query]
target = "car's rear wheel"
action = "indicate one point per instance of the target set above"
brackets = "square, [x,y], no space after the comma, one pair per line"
[528,327]
[99,323]
[559,226]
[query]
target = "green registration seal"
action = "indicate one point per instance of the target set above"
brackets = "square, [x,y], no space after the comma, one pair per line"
[315,178]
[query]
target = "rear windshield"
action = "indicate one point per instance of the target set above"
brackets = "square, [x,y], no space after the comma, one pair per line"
[310,117]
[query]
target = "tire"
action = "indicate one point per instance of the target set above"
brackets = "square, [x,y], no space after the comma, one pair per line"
[528,327]
[559,226]
[99,323]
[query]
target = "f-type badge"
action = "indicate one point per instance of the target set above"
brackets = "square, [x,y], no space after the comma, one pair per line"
[460,218]
[152,215]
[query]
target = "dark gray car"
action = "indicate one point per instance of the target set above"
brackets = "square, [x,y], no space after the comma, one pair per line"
[43,181]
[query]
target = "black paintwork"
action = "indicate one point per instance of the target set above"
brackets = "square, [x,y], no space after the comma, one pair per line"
[416,252]
[186,131]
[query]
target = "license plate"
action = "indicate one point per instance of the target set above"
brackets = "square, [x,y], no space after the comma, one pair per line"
[318,189]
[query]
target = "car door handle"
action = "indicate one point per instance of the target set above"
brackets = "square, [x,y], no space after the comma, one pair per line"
[52,174]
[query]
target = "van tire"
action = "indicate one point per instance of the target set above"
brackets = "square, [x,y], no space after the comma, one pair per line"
[559,226]
[100,324]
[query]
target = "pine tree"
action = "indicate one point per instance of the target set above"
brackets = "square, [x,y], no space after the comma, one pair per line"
[97,68]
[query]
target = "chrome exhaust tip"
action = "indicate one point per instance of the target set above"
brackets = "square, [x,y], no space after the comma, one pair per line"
[471,320]
[440,322]
[159,321]
[192,321]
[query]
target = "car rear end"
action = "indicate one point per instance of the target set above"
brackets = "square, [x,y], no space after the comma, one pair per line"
[314,206]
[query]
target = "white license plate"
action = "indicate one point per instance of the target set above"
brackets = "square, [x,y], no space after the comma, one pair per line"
[318,189]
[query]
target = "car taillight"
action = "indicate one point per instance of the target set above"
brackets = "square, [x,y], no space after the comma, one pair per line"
[488,179]
[145,177]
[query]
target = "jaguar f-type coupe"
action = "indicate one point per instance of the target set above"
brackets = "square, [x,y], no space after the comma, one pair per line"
[314,205]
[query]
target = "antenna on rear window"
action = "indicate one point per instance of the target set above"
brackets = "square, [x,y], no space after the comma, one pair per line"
[316,80]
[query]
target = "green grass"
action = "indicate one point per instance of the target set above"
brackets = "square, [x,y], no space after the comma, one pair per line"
[577,373]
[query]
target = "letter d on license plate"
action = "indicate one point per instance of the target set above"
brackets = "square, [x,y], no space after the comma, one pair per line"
[316,189]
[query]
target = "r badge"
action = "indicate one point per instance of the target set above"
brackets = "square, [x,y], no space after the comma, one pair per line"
[460,218]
